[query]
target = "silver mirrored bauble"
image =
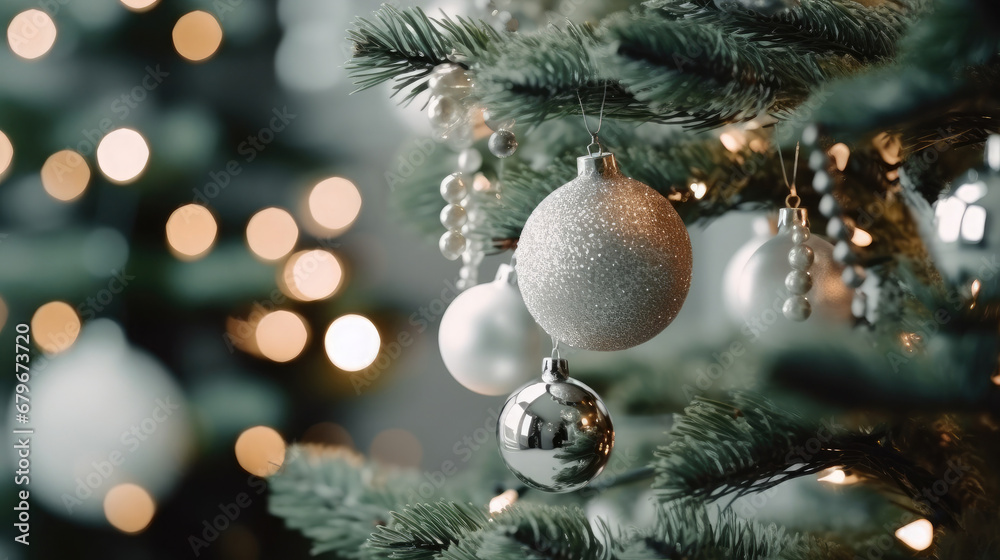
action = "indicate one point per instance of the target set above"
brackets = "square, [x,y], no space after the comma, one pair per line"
[503,143]
[452,245]
[453,216]
[763,291]
[444,112]
[555,435]
[449,79]
[488,340]
[965,236]
[454,188]
[604,262]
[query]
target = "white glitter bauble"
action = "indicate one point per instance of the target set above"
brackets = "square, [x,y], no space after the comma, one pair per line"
[763,290]
[604,262]
[488,340]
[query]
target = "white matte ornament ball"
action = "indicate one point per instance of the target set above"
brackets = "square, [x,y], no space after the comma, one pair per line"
[763,289]
[503,143]
[454,188]
[604,262]
[452,245]
[488,340]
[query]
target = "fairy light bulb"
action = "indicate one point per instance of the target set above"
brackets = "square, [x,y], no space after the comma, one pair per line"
[918,535]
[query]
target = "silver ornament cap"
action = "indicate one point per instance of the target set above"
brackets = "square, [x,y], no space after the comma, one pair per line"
[604,261]
[555,435]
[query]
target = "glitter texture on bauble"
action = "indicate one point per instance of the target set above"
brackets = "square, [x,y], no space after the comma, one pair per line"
[604,262]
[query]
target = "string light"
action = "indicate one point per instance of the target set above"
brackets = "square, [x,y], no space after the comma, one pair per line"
[502,501]
[281,335]
[334,204]
[129,508]
[6,153]
[397,447]
[352,342]
[918,535]
[837,475]
[861,238]
[197,36]
[65,175]
[191,231]
[272,233]
[840,154]
[733,140]
[122,155]
[55,327]
[260,451]
[31,34]
[699,189]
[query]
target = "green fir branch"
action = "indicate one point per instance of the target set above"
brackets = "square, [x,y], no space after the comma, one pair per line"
[531,532]
[423,531]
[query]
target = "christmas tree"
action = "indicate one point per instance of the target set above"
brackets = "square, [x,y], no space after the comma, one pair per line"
[875,371]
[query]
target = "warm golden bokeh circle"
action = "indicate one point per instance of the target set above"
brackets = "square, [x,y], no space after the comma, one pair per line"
[6,153]
[129,508]
[197,36]
[334,204]
[311,275]
[272,233]
[352,342]
[191,231]
[122,155]
[65,175]
[140,5]
[281,335]
[55,327]
[260,451]
[31,34]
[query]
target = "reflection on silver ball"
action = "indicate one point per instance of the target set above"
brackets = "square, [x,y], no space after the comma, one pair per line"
[604,262]
[555,435]
[503,143]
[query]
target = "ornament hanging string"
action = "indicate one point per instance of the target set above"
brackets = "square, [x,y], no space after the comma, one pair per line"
[594,140]
[792,200]
[555,349]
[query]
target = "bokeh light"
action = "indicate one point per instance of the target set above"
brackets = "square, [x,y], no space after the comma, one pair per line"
[352,342]
[65,175]
[197,36]
[140,5]
[840,154]
[129,508]
[272,233]
[31,34]
[122,155]
[281,335]
[334,204]
[260,451]
[55,327]
[4,313]
[917,535]
[328,433]
[502,501]
[191,231]
[397,447]
[6,153]
[311,275]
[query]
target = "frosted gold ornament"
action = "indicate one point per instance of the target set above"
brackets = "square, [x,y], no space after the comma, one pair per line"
[604,262]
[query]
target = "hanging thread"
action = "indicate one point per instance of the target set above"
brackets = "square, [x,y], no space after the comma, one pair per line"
[594,140]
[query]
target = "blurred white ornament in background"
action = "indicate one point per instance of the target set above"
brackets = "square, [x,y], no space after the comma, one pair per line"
[733,273]
[104,414]
[488,340]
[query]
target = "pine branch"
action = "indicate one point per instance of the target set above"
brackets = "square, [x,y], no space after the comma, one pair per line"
[845,27]
[684,529]
[405,45]
[423,531]
[532,532]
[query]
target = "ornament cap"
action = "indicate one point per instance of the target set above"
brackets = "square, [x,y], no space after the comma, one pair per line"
[506,273]
[788,217]
[603,164]
[554,370]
